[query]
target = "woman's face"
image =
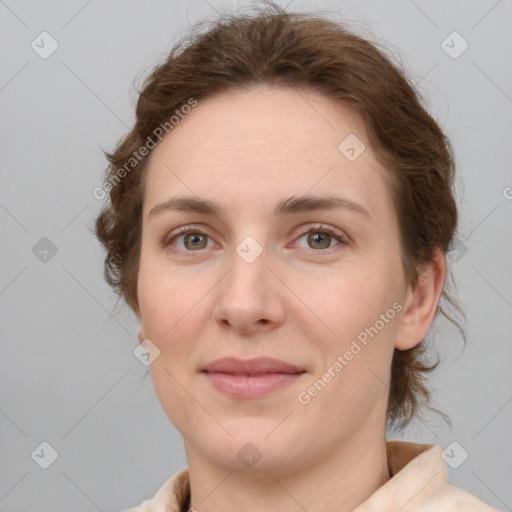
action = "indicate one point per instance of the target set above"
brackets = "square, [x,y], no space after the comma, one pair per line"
[251,283]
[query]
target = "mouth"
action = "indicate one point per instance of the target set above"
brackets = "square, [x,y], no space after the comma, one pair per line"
[251,378]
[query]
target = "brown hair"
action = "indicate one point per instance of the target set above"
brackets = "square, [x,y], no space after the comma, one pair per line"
[276,47]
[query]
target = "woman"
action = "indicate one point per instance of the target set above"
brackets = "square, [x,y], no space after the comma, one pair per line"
[278,221]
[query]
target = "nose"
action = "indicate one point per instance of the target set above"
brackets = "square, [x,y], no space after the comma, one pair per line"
[250,298]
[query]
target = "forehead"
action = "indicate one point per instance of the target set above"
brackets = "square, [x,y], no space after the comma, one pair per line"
[283,119]
[263,143]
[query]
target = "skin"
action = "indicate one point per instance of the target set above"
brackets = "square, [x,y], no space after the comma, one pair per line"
[298,301]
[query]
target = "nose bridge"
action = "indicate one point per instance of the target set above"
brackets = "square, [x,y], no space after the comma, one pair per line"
[248,264]
[248,296]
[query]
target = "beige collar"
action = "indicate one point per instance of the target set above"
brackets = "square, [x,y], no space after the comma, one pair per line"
[425,476]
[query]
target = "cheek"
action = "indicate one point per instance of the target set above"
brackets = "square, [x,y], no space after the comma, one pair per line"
[170,308]
[351,305]
[348,301]
[165,297]
[355,361]
[169,311]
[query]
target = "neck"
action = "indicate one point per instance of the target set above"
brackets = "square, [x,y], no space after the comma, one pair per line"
[339,480]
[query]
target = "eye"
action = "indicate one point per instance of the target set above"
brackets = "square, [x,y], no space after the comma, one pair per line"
[192,240]
[320,237]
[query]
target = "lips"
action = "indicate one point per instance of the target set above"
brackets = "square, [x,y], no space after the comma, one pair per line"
[258,366]
[252,378]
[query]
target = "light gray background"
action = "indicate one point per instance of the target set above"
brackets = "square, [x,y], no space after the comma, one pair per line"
[68,373]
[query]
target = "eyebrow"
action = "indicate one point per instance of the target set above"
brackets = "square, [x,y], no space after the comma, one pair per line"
[292,205]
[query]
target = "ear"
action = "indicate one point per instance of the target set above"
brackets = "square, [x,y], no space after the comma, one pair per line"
[142,332]
[420,303]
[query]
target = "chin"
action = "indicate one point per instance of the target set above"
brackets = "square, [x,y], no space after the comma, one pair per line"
[255,457]
[256,445]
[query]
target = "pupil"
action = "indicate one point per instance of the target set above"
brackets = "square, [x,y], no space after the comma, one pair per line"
[195,239]
[320,238]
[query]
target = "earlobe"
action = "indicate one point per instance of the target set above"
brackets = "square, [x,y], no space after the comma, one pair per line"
[142,334]
[420,303]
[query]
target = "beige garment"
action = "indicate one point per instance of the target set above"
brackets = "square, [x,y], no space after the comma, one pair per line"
[419,483]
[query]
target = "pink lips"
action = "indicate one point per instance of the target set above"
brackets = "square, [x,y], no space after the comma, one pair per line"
[250,378]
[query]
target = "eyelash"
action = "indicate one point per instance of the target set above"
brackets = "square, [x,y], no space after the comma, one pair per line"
[318,228]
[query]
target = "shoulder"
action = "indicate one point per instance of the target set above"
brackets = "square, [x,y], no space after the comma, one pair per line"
[454,499]
[169,498]
[419,481]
